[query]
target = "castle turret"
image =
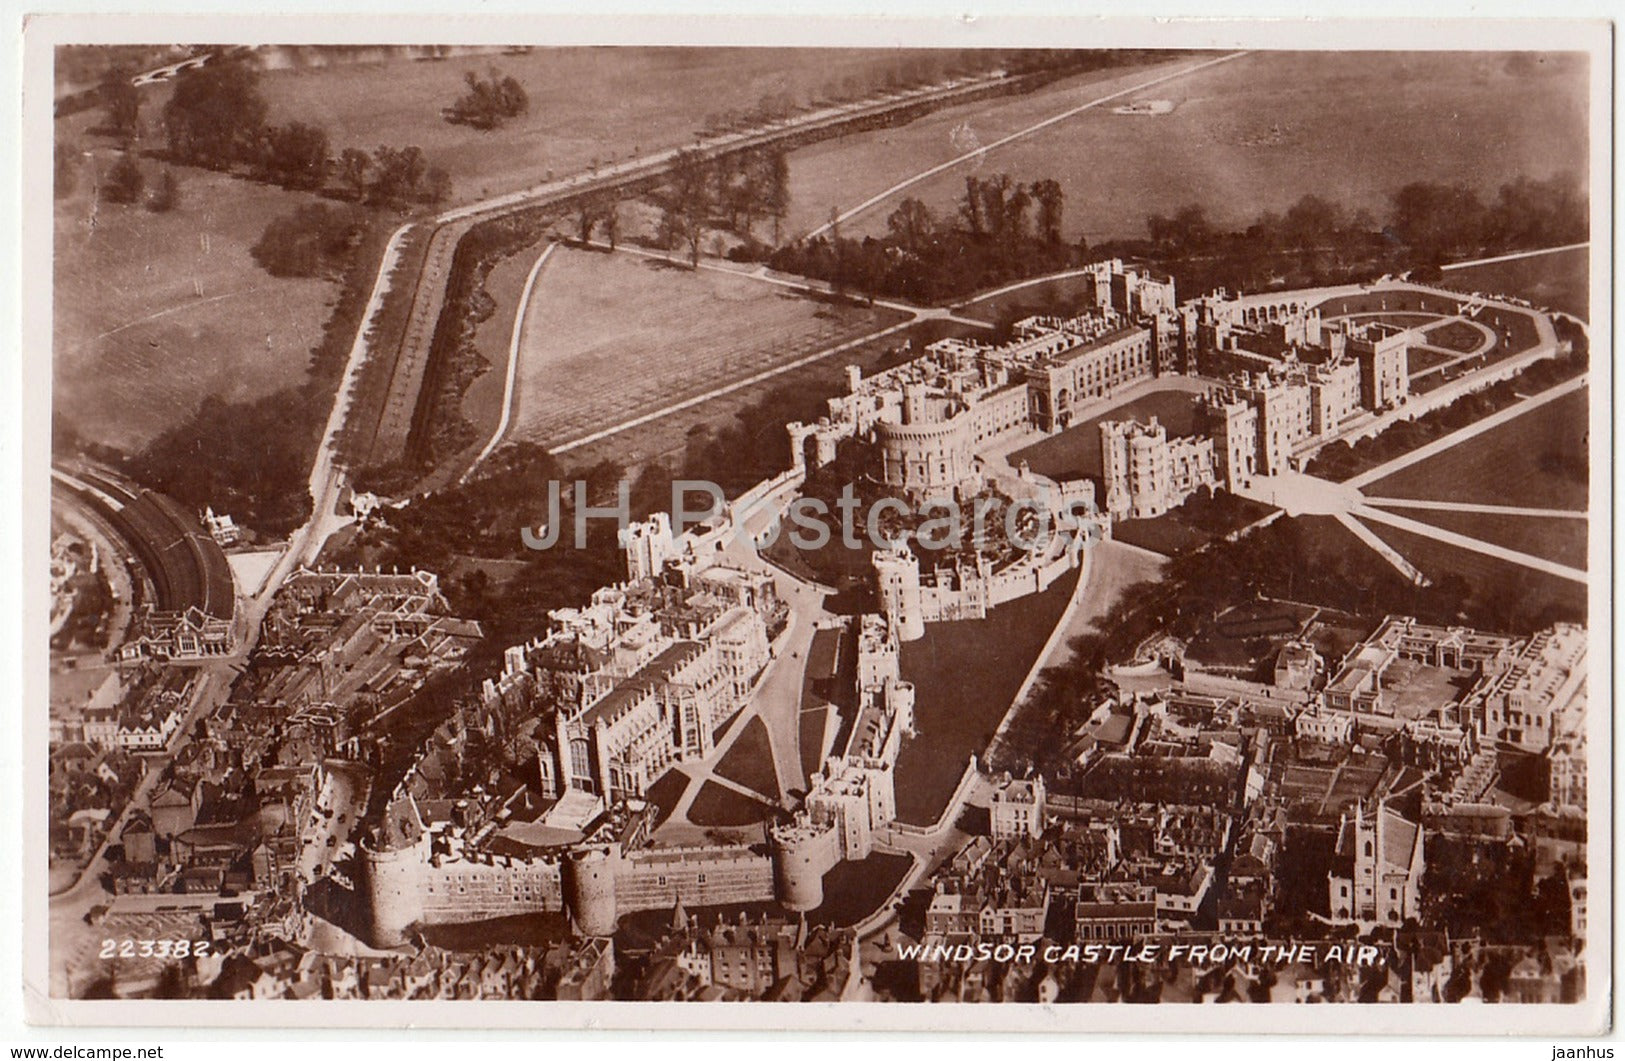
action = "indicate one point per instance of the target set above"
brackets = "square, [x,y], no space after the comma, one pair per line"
[391,869]
[897,573]
[590,890]
[799,861]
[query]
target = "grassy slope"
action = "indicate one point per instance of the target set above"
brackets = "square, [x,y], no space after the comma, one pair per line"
[609,337]
[154,312]
[1253,134]
[1512,464]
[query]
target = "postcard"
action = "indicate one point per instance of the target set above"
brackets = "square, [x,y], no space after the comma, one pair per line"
[550,523]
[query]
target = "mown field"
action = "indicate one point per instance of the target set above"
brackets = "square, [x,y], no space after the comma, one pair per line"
[610,337]
[153,312]
[1560,281]
[1075,452]
[966,675]
[1495,580]
[749,761]
[1563,540]
[1246,136]
[586,104]
[1537,460]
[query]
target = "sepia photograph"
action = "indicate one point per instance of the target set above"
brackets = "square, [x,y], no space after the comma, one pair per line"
[1066,521]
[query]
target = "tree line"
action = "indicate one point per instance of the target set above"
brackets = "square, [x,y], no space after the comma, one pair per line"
[1001,230]
[1317,241]
[217,118]
[733,192]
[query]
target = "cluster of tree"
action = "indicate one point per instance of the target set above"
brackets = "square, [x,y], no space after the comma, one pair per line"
[489,101]
[292,155]
[485,517]
[125,182]
[1001,231]
[215,114]
[216,118]
[398,176]
[730,192]
[314,240]
[1316,241]
[120,102]
[1440,222]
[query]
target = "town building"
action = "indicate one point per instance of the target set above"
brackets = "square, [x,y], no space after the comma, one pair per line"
[1377,873]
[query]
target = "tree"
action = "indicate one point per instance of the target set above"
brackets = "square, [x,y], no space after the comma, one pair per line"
[353,171]
[689,202]
[1437,220]
[296,155]
[167,195]
[124,181]
[1312,222]
[398,174]
[215,114]
[1051,200]
[436,186]
[488,102]
[586,218]
[911,225]
[970,207]
[612,223]
[121,103]
[314,240]
[776,193]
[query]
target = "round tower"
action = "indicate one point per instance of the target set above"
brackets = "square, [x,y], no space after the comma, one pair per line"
[393,892]
[798,869]
[590,890]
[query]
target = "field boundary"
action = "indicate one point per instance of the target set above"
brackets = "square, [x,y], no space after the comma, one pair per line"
[513,362]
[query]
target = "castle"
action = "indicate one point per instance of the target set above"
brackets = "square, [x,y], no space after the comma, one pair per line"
[454,861]
[929,416]
[853,797]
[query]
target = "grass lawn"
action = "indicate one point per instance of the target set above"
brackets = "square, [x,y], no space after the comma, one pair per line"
[664,440]
[1559,281]
[1246,136]
[151,313]
[1562,540]
[818,697]
[1418,360]
[667,792]
[586,104]
[609,337]
[1537,460]
[1075,452]
[966,675]
[1043,297]
[1457,335]
[854,890]
[1493,580]
[519,930]
[721,807]
[750,761]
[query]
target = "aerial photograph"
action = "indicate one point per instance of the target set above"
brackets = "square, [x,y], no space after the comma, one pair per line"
[697,524]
